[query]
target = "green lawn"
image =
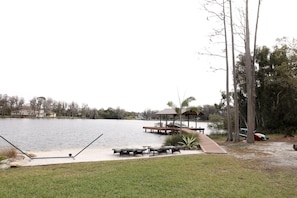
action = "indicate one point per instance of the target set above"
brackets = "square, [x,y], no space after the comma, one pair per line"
[178,176]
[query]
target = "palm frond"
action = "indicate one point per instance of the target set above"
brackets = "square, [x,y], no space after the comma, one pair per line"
[171,104]
[186,102]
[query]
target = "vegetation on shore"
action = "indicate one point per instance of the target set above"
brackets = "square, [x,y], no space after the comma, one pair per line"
[8,153]
[188,141]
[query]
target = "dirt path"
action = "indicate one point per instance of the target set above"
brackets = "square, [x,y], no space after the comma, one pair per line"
[278,152]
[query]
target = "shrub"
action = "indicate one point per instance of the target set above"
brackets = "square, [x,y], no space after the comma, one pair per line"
[2,157]
[217,136]
[216,121]
[173,140]
[189,141]
[9,153]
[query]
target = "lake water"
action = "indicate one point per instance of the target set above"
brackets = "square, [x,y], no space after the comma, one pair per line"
[58,134]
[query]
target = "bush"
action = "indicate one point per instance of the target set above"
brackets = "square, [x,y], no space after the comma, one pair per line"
[8,153]
[182,140]
[190,141]
[2,157]
[216,121]
[173,140]
[217,136]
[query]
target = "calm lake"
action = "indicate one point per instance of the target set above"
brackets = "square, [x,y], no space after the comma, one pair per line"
[56,134]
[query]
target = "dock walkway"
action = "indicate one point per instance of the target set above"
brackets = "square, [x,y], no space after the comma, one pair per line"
[207,144]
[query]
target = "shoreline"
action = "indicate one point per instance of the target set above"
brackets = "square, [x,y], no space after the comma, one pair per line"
[89,155]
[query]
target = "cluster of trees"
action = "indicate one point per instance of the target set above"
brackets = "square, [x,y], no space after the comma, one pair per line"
[9,104]
[239,34]
[264,81]
[275,90]
[276,87]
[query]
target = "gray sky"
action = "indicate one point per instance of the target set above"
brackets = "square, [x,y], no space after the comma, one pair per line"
[131,54]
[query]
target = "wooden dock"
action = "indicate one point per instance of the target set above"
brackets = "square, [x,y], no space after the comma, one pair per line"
[160,130]
[170,130]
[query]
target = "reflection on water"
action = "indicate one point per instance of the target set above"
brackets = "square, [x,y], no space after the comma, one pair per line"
[55,134]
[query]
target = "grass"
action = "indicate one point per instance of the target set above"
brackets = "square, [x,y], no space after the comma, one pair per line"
[178,176]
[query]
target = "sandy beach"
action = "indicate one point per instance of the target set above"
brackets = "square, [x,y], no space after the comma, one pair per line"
[90,155]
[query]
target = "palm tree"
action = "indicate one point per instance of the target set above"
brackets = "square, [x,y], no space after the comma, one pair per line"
[179,109]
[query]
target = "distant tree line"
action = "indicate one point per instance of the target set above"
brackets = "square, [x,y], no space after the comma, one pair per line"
[9,104]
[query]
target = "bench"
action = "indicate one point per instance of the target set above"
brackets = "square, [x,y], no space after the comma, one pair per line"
[127,151]
[165,149]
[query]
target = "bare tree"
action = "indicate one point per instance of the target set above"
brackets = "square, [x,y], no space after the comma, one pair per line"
[20,103]
[33,104]
[13,100]
[254,60]
[48,105]
[85,110]
[256,31]
[4,104]
[40,104]
[73,109]
[235,98]
[250,75]
[222,15]
[229,138]
[249,80]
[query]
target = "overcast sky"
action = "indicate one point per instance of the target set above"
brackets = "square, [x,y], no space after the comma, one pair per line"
[131,54]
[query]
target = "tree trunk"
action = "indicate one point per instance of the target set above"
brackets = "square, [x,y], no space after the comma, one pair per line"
[229,138]
[249,81]
[254,59]
[236,108]
[256,31]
